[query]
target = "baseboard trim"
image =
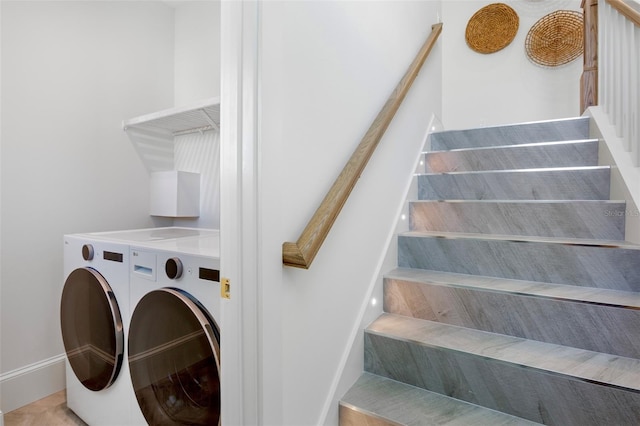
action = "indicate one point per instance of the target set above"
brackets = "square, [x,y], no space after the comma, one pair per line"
[30,383]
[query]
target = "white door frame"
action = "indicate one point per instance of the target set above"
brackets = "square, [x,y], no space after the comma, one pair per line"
[239,220]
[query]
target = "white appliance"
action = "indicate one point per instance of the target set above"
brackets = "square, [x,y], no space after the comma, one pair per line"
[95,316]
[174,336]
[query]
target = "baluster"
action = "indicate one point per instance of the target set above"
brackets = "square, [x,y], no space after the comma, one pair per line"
[625,68]
[602,59]
[635,95]
[612,65]
[619,71]
[619,74]
[629,94]
[605,83]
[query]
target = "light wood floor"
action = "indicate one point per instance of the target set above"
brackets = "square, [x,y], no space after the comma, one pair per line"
[49,411]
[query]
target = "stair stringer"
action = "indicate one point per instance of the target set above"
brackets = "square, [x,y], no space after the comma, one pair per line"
[352,362]
[625,177]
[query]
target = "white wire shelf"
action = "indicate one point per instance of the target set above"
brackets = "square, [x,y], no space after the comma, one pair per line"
[152,135]
[199,117]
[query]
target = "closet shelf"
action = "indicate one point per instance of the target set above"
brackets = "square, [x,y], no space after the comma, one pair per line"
[153,135]
[198,117]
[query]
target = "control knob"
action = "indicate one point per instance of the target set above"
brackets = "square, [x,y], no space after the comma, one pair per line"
[173,268]
[87,252]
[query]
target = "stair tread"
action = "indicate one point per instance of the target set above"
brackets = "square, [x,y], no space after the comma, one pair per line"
[591,295]
[592,367]
[517,238]
[401,403]
[512,146]
[533,170]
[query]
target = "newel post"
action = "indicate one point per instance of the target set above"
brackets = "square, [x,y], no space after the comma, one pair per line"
[589,78]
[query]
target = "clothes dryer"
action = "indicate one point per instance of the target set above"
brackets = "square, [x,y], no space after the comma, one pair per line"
[174,334]
[95,316]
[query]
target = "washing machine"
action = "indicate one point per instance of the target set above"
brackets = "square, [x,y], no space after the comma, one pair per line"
[174,333]
[95,315]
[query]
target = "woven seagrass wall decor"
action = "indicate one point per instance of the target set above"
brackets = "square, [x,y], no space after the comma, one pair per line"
[492,28]
[556,39]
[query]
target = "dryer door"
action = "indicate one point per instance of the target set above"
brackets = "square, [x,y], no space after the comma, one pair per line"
[174,349]
[91,328]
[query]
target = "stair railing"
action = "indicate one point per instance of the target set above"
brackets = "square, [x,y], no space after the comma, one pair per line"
[301,253]
[619,67]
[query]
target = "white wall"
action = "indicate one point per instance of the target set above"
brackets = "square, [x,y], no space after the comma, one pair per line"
[327,69]
[197,51]
[197,77]
[71,72]
[200,153]
[503,87]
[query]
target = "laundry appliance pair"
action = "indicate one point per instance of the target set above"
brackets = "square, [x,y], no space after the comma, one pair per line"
[140,320]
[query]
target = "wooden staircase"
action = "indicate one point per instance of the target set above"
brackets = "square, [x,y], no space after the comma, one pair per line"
[516,299]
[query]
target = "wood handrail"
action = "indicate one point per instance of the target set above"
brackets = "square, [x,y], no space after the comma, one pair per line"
[627,10]
[301,253]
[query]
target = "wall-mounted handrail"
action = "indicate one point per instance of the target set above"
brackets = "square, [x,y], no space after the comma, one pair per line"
[627,10]
[301,253]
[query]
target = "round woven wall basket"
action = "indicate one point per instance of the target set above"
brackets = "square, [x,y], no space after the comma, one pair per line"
[492,28]
[556,39]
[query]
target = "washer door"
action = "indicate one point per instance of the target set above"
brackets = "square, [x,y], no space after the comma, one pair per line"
[174,352]
[91,328]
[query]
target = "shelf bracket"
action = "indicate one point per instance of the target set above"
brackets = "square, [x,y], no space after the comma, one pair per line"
[210,120]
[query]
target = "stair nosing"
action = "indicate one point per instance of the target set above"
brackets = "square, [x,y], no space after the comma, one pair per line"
[578,242]
[527,170]
[518,201]
[370,413]
[524,145]
[470,409]
[507,344]
[590,295]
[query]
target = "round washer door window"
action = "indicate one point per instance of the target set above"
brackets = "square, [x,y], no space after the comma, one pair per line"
[91,328]
[174,352]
